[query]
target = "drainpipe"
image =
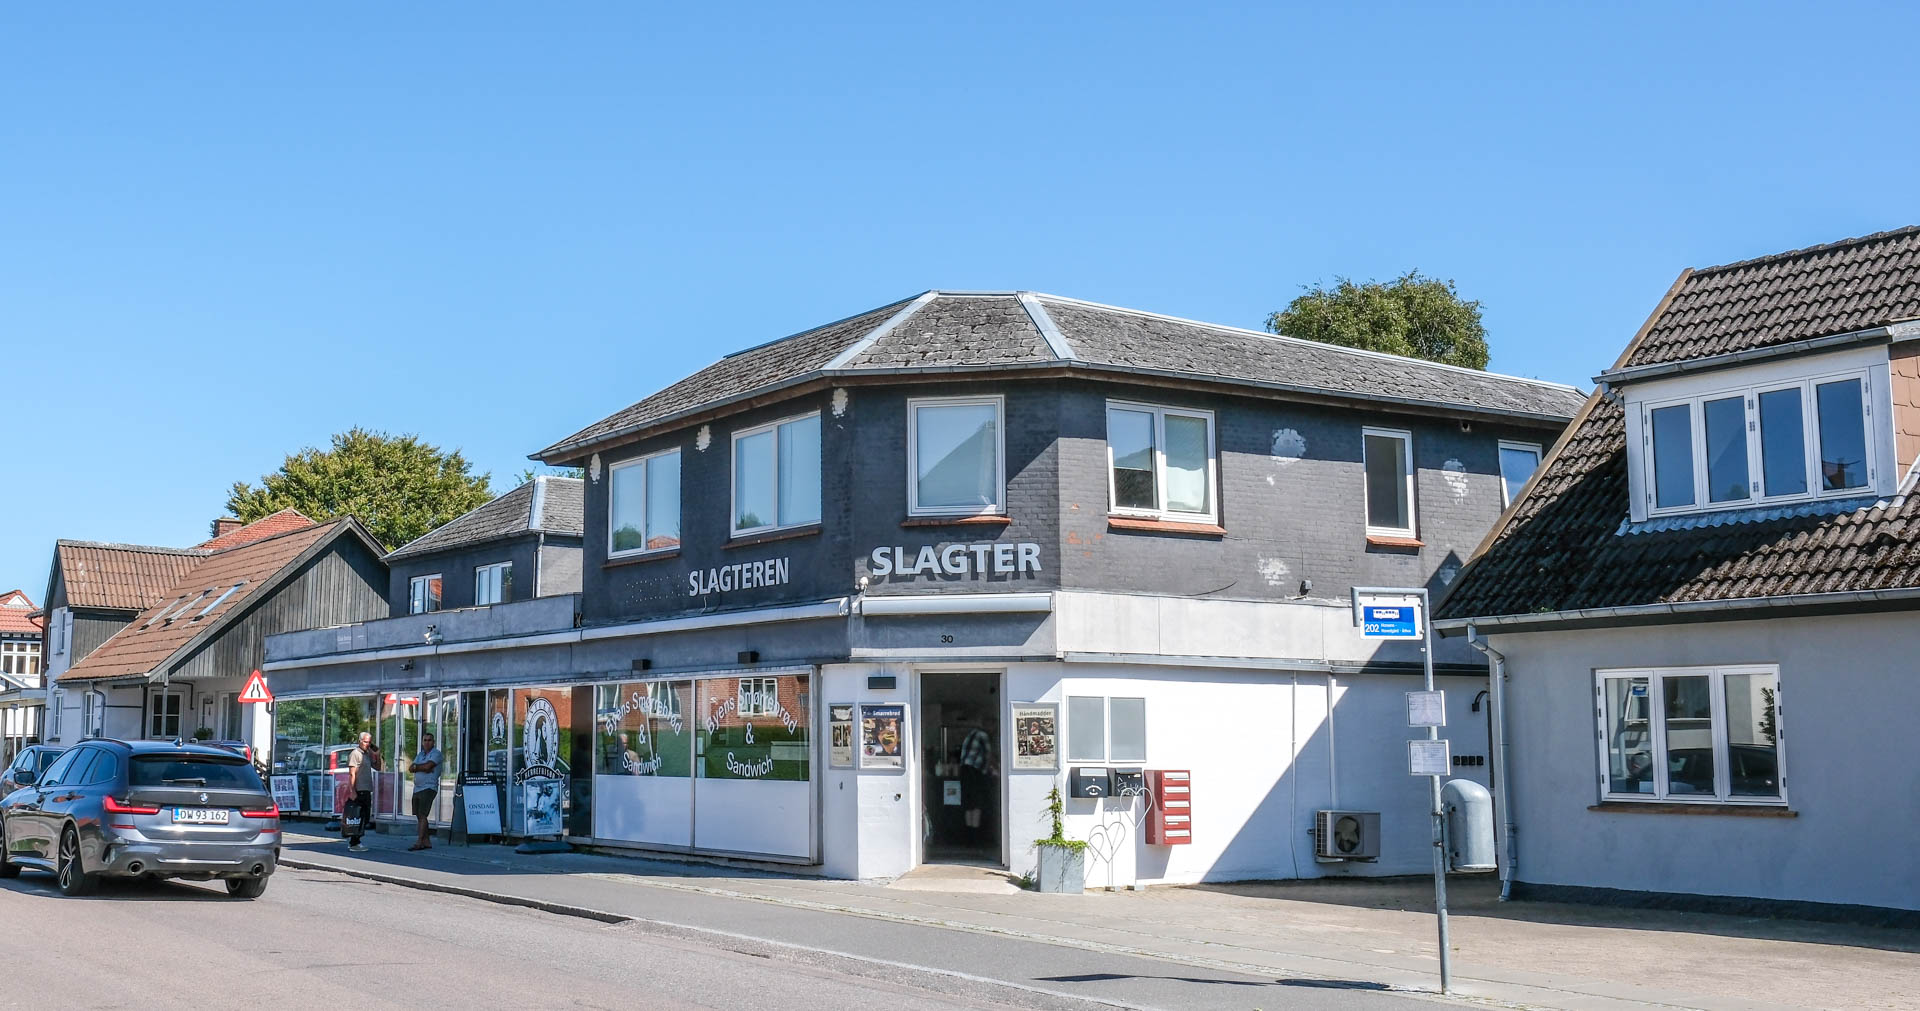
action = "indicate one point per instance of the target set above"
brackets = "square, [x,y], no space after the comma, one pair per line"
[1501,791]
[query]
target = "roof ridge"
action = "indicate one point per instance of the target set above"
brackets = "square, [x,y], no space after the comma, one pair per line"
[536,505]
[67,542]
[284,533]
[887,326]
[1824,247]
[822,326]
[456,519]
[1283,338]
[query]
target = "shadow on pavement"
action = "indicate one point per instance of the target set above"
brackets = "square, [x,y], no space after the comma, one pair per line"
[39,885]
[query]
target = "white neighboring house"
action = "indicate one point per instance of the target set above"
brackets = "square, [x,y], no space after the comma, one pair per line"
[21,691]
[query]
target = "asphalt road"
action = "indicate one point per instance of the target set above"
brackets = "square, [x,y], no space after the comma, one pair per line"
[319,939]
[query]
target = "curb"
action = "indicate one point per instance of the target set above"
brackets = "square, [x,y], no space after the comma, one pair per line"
[557,908]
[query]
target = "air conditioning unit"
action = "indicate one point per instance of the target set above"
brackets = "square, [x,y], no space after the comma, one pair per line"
[1346,835]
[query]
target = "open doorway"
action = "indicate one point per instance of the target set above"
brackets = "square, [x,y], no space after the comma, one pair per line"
[960,767]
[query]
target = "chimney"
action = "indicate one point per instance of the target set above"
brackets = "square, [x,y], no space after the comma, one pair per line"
[225,525]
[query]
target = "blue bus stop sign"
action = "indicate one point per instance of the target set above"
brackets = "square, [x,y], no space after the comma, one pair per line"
[1389,621]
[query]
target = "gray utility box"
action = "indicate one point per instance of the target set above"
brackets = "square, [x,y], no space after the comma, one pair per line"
[1346,835]
[1469,809]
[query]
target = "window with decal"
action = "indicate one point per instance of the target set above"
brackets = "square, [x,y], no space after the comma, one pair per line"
[757,733]
[643,510]
[1691,734]
[955,456]
[1160,462]
[641,729]
[776,475]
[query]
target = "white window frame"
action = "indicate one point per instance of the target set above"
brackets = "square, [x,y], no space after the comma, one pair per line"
[416,596]
[97,725]
[1539,457]
[1657,733]
[478,570]
[1160,510]
[1106,730]
[766,695]
[1406,461]
[646,519]
[999,405]
[733,474]
[57,701]
[156,714]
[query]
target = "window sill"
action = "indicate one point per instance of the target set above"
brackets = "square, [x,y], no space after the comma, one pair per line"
[749,540]
[655,556]
[1391,541]
[983,520]
[1669,807]
[1146,525]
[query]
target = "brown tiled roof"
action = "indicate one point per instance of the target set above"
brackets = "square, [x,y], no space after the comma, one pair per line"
[1562,547]
[129,577]
[146,645]
[258,530]
[1840,287]
[16,614]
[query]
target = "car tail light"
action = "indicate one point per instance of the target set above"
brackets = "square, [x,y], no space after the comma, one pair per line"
[270,811]
[121,807]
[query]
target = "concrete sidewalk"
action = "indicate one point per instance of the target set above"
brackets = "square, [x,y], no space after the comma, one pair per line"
[1359,932]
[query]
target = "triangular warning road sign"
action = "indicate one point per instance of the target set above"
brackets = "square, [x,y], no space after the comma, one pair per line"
[256,689]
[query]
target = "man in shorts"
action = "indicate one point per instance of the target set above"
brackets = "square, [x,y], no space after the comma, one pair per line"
[426,785]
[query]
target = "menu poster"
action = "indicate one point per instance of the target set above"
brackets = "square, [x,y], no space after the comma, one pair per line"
[882,733]
[840,736]
[1036,737]
[286,792]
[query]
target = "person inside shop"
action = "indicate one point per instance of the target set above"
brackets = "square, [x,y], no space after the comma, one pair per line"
[426,785]
[364,762]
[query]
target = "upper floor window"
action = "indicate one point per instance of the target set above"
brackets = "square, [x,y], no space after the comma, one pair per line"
[776,475]
[1786,440]
[1691,733]
[643,511]
[1387,456]
[493,584]
[1518,461]
[956,456]
[1160,461]
[423,594]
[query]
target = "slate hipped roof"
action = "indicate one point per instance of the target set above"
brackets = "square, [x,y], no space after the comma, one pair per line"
[957,333]
[1562,547]
[551,505]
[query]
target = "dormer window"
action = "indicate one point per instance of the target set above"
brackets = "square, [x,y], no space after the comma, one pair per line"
[1759,437]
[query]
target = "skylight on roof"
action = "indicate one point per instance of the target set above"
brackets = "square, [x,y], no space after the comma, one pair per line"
[217,600]
[188,606]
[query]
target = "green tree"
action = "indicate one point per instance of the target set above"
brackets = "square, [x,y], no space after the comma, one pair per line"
[529,474]
[397,486]
[1415,316]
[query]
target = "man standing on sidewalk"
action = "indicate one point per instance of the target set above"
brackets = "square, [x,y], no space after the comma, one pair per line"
[364,762]
[426,784]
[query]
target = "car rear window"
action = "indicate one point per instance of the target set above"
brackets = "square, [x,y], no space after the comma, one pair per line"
[194,770]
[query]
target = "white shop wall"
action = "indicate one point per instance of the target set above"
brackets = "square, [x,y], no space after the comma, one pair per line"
[867,815]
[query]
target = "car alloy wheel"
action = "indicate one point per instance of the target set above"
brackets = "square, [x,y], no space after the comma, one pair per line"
[73,878]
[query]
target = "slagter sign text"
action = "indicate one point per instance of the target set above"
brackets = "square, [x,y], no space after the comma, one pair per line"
[974,559]
[738,576]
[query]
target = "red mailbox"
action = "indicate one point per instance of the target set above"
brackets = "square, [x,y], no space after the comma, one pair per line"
[1170,816]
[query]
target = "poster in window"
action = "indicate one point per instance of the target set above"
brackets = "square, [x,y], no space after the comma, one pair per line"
[1036,737]
[882,733]
[840,736]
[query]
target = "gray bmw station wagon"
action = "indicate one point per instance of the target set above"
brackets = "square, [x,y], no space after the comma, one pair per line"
[155,809]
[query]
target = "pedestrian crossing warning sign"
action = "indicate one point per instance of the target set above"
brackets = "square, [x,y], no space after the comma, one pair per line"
[256,689]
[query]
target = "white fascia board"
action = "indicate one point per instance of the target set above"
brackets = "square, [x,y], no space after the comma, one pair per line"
[958,603]
[835,608]
[410,652]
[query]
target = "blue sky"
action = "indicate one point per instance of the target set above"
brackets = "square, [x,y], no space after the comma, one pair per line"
[228,232]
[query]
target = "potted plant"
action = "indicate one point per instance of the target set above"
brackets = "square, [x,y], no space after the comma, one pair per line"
[203,734]
[1063,861]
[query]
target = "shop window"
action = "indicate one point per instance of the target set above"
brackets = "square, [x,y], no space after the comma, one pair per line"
[955,455]
[1106,729]
[643,512]
[163,715]
[1160,462]
[1518,461]
[773,745]
[776,475]
[423,594]
[1691,734]
[640,730]
[493,584]
[1388,462]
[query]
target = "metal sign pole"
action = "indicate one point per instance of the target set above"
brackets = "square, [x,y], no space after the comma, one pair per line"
[1439,813]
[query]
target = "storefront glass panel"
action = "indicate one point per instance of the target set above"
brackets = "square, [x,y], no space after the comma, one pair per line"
[753,765]
[346,718]
[299,749]
[443,718]
[643,763]
[539,798]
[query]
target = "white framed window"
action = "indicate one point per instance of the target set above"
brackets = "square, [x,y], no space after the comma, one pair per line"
[163,714]
[1110,730]
[1701,734]
[95,723]
[1387,458]
[956,456]
[57,701]
[20,658]
[423,593]
[1160,462]
[1518,461]
[1776,438]
[759,696]
[776,475]
[493,584]
[643,505]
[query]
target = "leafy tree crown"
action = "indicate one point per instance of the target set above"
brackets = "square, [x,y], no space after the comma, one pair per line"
[397,486]
[1414,315]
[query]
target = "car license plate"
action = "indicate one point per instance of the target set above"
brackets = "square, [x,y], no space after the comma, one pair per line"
[200,816]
